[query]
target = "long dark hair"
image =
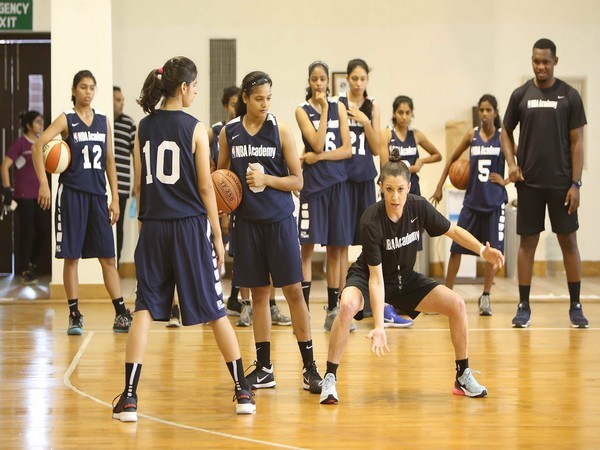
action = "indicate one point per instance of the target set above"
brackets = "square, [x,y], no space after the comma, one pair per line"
[312,67]
[164,81]
[367,106]
[398,101]
[26,119]
[250,81]
[80,76]
[492,101]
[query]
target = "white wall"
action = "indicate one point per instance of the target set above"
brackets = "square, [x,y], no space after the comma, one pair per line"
[443,54]
[75,49]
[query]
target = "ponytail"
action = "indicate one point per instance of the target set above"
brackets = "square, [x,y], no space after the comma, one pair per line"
[164,81]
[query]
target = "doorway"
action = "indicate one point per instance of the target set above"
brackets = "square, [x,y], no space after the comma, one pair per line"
[24,84]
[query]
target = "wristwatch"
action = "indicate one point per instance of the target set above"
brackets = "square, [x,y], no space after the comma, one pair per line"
[576,184]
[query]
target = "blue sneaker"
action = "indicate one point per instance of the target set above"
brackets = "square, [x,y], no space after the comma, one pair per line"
[523,316]
[391,319]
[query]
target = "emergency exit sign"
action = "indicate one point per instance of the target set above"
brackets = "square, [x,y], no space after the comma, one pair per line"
[16,15]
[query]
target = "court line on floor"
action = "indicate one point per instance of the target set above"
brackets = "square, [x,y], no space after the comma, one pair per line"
[74,364]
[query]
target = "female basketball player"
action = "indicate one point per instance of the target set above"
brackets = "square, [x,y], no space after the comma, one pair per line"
[180,239]
[324,199]
[401,137]
[82,218]
[262,153]
[390,230]
[482,213]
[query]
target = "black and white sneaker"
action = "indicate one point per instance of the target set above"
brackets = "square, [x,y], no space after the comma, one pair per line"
[126,408]
[261,377]
[311,380]
[174,321]
[245,402]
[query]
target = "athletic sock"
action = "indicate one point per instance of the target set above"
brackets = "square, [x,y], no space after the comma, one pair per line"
[486,293]
[132,377]
[306,350]
[263,354]
[574,291]
[524,294]
[234,292]
[236,369]
[119,305]
[461,366]
[332,368]
[306,291]
[73,305]
[332,298]
[272,302]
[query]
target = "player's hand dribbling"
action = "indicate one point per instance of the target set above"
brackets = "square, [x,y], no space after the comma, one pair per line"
[379,341]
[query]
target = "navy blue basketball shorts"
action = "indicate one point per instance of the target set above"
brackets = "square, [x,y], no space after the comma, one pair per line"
[82,225]
[362,195]
[485,226]
[263,249]
[415,288]
[326,219]
[531,211]
[178,253]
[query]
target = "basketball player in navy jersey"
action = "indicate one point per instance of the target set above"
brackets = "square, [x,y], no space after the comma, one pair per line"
[547,172]
[482,213]
[325,199]
[262,153]
[83,221]
[407,140]
[390,231]
[180,238]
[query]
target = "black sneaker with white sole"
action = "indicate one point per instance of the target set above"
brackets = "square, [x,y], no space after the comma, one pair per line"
[261,377]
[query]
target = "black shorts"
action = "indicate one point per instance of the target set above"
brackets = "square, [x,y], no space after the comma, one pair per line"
[531,211]
[414,289]
[485,226]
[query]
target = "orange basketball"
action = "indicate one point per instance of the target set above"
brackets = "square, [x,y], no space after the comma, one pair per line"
[57,156]
[459,174]
[228,190]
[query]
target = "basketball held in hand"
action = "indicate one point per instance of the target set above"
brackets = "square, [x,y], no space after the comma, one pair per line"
[57,156]
[228,190]
[459,174]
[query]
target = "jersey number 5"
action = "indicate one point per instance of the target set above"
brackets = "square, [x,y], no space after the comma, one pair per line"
[165,149]
[483,169]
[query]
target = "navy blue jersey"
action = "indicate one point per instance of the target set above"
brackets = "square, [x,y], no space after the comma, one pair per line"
[87,171]
[214,145]
[486,157]
[408,152]
[361,166]
[261,150]
[324,174]
[169,185]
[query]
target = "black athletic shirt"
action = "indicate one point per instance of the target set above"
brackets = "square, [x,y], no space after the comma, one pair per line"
[545,118]
[395,245]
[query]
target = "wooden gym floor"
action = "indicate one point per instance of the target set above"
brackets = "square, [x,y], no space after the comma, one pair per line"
[543,382]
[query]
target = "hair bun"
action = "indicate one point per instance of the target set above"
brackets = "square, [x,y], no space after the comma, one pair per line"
[394,155]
